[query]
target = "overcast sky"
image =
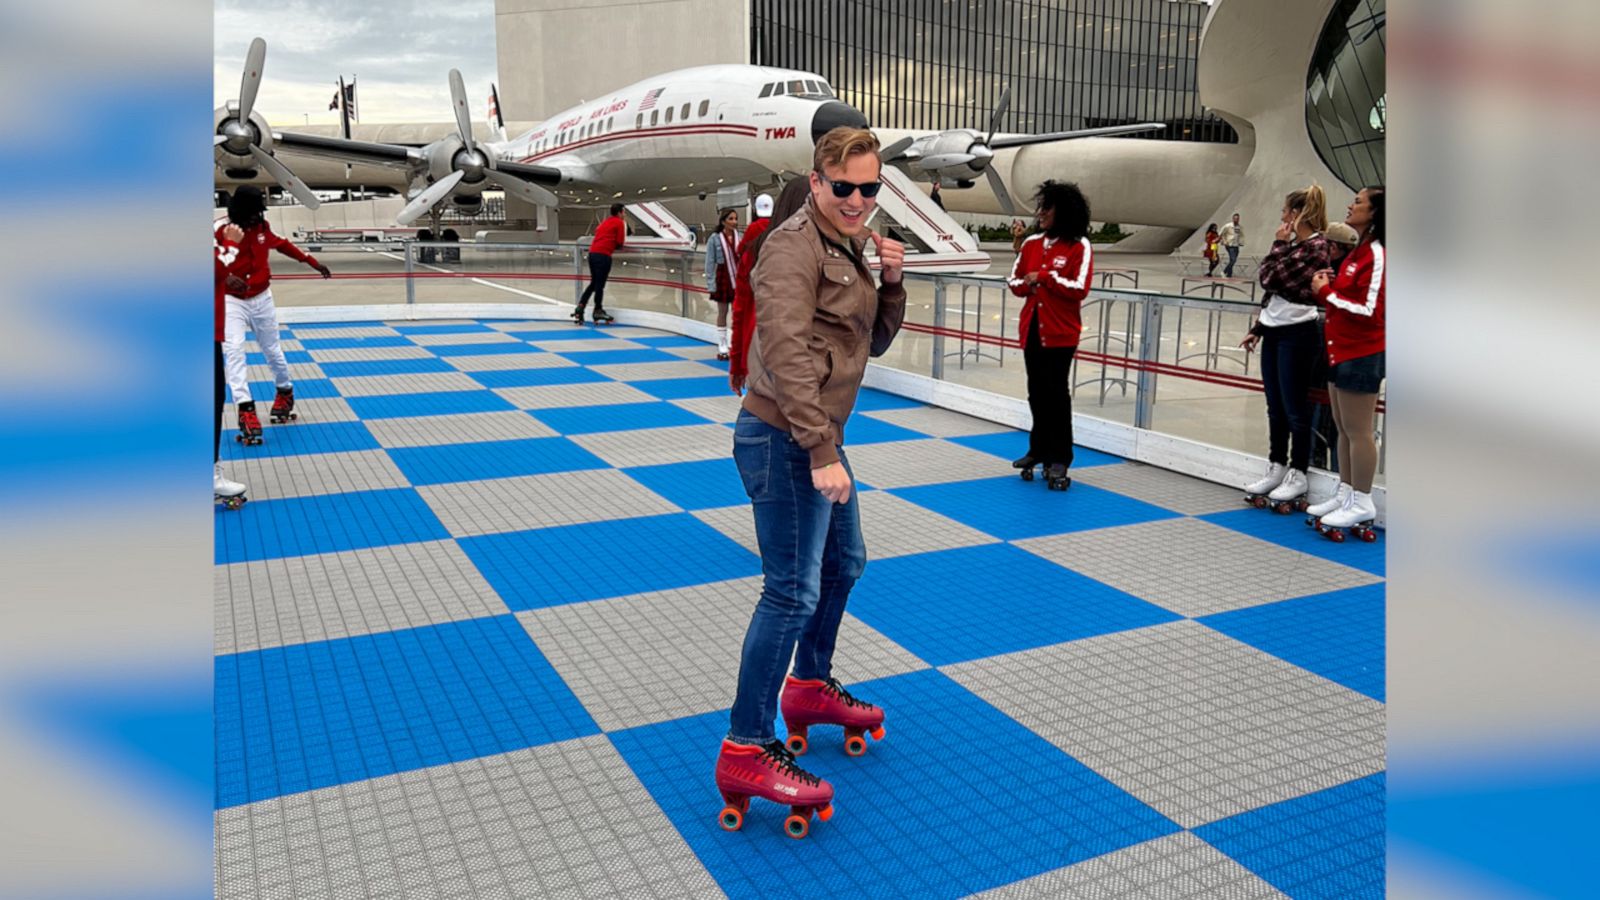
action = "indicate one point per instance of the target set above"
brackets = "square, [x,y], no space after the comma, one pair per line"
[400,51]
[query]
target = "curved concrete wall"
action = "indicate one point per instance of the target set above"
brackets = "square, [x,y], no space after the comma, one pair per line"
[1254,55]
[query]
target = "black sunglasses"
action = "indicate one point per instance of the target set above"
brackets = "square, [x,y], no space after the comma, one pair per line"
[843,189]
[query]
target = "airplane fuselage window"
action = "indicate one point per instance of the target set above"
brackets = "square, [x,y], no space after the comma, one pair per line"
[766,90]
[638,122]
[705,107]
[669,115]
[653,114]
[684,113]
[611,122]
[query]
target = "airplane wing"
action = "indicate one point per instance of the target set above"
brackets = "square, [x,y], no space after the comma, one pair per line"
[350,151]
[1023,140]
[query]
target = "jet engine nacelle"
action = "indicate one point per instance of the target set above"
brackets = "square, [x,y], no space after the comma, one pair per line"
[955,155]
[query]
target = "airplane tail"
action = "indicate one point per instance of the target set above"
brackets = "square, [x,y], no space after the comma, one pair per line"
[497,122]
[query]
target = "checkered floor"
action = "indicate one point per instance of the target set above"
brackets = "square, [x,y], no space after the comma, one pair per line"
[477,633]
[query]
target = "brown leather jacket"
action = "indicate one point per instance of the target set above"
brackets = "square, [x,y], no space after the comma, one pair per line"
[818,318]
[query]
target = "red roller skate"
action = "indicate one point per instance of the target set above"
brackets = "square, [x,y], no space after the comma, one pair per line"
[807,703]
[249,425]
[770,772]
[283,406]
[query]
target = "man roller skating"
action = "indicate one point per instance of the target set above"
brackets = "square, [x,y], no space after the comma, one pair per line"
[812,281]
[249,307]
[608,236]
[225,252]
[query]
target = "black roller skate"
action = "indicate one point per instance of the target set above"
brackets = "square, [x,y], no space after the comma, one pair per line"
[1055,477]
[249,426]
[601,317]
[1026,464]
[577,313]
[283,407]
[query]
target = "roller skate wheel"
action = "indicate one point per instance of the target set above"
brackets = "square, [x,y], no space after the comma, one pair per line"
[1301,505]
[797,744]
[1335,535]
[1368,535]
[731,819]
[1258,502]
[797,826]
[1283,508]
[1027,474]
[855,745]
[877,733]
[825,813]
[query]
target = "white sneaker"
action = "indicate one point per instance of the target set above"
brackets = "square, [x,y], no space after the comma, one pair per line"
[1332,503]
[222,487]
[1294,485]
[1274,478]
[1357,508]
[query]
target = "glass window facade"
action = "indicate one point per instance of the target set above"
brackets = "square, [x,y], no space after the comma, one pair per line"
[936,64]
[1346,97]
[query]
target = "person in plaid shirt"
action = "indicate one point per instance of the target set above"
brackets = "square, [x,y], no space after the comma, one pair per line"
[1291,340]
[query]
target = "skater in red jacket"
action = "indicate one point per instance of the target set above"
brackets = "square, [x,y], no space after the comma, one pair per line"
[1053,271]
[250,308]
[224,253]
[1355,336]
[608,236]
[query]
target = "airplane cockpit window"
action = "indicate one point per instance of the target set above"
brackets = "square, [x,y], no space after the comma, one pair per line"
[811,87]
[826,91]
[766,90]
[705,107]
[777,89]
[797,87]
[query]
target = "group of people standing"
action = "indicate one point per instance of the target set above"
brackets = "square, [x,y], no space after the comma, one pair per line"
[1322,320]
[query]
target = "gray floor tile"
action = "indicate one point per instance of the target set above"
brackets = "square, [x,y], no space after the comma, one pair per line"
[425,383]
[369,354]
[735,522]
[1168,490]
[611,653]
[471,337]
[1195,568]
[937,422]
[658,446]
[300,599]
[297,372]
[718,409]
[541,501]
[929,461]
[562,820]
[895,527]
[462,428]
[708,351]
[1194,723]
[1176,866]
[349,331]
[583,346]
[308,474]
[499,362]
[556,396]
[652,371]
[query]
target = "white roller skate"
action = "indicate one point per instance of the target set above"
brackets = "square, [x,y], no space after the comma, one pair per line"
[1255,493]
[231,493]
[1356,516]
[1316,511]
[1291,494]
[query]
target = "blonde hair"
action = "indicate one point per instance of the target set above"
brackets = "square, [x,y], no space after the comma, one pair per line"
[1311,205]
[841,143]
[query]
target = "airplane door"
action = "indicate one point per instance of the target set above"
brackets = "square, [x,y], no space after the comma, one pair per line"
[730,142]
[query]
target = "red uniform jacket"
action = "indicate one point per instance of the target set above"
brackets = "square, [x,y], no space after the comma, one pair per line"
[224,254]
[609,236]
[1355,304]
[252,264]
[743,325]
[1065,269]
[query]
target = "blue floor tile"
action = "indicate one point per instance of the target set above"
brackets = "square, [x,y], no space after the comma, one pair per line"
[616,417]
[669,340]
[358,343]
[1011,509]
[304,389]
[492,459]
[871,399]
[506,378]
[1009,445]
[296,718]
[289,356]
[284,333]
[441,403]
[867,430]
[989,600]
[617,357]
[535,569]
[1338,635]
[1329,844]
[1292,532]
[330,523]
[460,328]
[957,798]
[707,484]
[685,388]
[296,438]
[312,327]
[574,333]
[364,368]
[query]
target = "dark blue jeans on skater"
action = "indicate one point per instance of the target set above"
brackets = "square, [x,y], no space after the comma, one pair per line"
[599,271]
[1049,399]
[1288,361]
[811,555]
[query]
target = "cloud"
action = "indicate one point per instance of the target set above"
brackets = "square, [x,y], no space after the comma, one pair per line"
[400,58]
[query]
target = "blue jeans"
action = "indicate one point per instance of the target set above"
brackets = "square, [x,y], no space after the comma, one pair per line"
[1233,257]
[811,556]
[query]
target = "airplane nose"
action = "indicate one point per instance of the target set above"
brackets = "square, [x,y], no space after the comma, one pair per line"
[835,114]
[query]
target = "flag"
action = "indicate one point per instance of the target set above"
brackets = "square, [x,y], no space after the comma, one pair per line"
[650,100]
[349,98]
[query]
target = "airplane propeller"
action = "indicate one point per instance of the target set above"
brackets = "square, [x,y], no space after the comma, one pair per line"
[462,160]
[243,139]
